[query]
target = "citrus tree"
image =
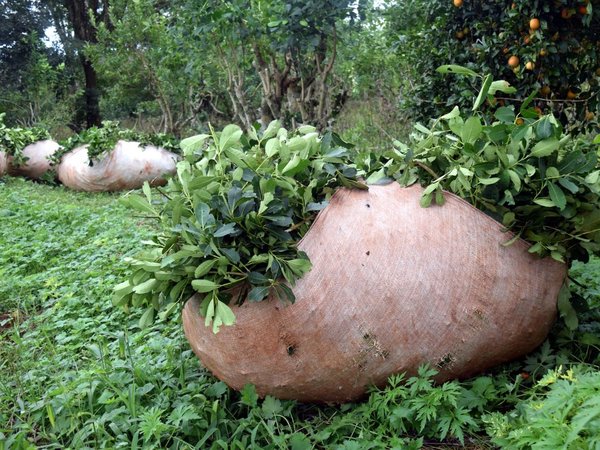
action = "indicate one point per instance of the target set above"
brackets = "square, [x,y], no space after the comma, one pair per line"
[551,48]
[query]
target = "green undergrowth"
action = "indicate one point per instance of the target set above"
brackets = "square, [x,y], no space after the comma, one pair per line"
[76,373]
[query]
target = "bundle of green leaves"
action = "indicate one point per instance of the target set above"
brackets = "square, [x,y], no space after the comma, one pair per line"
[14,140]
[518,167]
[101,140]
[232,218]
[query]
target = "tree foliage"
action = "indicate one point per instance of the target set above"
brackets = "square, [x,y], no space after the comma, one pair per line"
[558,55]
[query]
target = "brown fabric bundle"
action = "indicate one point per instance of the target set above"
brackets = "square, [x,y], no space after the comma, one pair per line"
[393,286]
[125,167]
[38,162]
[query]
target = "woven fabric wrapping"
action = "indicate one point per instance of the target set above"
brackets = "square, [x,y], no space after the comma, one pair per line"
[393,286]
[127,166]
[3,164]
[38,162]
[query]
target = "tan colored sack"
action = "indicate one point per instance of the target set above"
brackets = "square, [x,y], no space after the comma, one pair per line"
[38,162]
[393,286]
[3,164]
[126,167]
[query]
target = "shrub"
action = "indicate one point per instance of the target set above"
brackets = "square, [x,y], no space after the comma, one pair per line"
[549,47]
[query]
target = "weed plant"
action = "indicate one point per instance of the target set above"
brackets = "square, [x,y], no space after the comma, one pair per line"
[75,372]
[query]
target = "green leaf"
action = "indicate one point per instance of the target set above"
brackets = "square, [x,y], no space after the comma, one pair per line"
[425,200]
[569,185]
[552,172]
[502,86]
[193,143]
[147,318]
[271,407]
[230,136]
[592,178]
[147,192]
[203,214]
[543,129]
[258,293]
[299,266]
[272,129]
[527,101]
[545,147]
[146,287]
[140,204]
[204,268]
[432,187]
[516,180]
[557,196]
[272,147]
[487,82]
[249,395]
[488,181]
[223,316]
[545,202]
[566,310]
[471,130]
[204,286]
[459,70]
[299,441]
[452,114]
[505,114]
[225,230]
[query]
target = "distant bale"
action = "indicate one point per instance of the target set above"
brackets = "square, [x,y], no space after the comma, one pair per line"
[3,164]
[127,166]
[37,161]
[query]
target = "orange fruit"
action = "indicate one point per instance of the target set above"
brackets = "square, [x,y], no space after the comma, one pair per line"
[526,40]
[571,95]
[530,65]
[513,6]
[583,10]
[543,52]
[513,61]
[519,121]
[457,3]
[534,24]
[565,13]
[589,115]
[460,35]
[545,90]
[538,110]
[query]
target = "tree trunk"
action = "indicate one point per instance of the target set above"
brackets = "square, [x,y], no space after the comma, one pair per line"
[85,32]
[92,94]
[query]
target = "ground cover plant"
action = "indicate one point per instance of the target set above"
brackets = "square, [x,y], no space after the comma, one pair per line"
[77,372]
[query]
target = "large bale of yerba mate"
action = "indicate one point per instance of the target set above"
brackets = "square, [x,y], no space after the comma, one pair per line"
[36,160]
[393,286]
[127,166]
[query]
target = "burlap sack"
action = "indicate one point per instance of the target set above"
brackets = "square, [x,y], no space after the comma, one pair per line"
[3,164]
[126,167]
[393,286]
[38,162]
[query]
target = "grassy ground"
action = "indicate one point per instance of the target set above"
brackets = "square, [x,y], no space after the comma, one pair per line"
[77,373]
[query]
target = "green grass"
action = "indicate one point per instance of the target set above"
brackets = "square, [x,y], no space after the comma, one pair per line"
[75,372]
